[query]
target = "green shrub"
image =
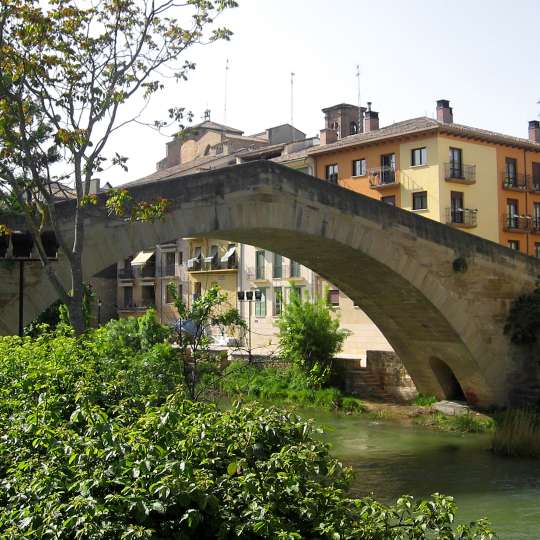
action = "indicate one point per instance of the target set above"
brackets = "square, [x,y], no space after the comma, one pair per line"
[422,400]
[98,442]
[310,337]
[523,321]
[517,433]
[465,423]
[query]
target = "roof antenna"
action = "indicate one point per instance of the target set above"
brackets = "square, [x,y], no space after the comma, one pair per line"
[292,105]
[225,96]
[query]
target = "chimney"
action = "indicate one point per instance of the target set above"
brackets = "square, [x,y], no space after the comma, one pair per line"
[328,136]
[534,131]
[371,119]
[444,112]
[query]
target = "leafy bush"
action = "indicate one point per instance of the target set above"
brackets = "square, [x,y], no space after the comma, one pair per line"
[523,321]
[98,442]
[517,433]
[310,337]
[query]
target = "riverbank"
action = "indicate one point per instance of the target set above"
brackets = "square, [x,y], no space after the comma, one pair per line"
[286,386]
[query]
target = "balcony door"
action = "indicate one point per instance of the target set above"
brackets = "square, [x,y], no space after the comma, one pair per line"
[536,176]
[510,172]
[536,216]
[512,213]
[456,163]
[456,206]
[388,168]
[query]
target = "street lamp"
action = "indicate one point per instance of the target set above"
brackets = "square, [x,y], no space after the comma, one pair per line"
[99,303]
[249,297]
[21,251]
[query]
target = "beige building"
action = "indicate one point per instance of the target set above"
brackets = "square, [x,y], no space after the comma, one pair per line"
[195,264]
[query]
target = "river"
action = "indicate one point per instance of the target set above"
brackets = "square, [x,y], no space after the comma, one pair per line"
[390,460]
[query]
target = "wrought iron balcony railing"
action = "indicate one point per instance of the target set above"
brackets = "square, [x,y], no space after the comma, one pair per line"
[516,223]
[380,177]
[535,224]
[463,217]
[125,273]
[514,181]
[459,172]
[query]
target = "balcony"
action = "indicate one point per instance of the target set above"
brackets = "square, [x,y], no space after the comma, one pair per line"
[516,182]
[147,271]
[464,218]
[258,274]
[168,270]
[515,223]
[382,177]
[460,173]
[535,224]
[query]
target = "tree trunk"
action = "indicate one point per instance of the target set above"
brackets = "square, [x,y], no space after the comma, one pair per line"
[76,302]
[76,316]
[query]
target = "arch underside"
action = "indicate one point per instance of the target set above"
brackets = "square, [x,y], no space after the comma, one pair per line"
[381,257]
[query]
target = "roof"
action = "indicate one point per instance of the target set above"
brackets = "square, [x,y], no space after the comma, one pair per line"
[209,124]
[424,124]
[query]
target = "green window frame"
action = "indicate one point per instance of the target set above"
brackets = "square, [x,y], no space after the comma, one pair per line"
[277,268]
[278,301]
[259,264]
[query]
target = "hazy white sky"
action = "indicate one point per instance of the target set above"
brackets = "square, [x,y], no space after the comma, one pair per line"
[482,55]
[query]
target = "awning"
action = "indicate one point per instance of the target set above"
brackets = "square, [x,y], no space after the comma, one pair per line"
[229,254]
[142,258]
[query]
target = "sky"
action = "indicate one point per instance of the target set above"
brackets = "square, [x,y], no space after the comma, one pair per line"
[482,55]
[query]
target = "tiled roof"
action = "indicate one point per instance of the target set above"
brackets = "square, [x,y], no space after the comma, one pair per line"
[424,124]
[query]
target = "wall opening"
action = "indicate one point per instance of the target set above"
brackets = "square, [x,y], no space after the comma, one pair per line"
[447,380]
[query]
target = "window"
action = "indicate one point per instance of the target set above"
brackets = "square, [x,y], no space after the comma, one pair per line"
[180,257]
[333,297]
[536,176]
[278,300]
[353,128]
[388,168]
[148,295]
[418,157]
[128,296]
[456,163]
[419,200]
[513,244]
[512,214]
[536,217]
[169,297]
[197,252]
[359,167]
[389,199]
[296,291]
[277,270]
[510,172]
[295,269]
[168,262]
[537,250]
[259,264]
[260,305]
[197,290]
[332,173]
[456,206]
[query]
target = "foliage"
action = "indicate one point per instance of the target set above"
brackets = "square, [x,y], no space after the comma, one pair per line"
[97,442]
[523,321]
[309,336]
[463,423]
[517,433]
[285,384]
[193,332]
[422,400]
[68,71]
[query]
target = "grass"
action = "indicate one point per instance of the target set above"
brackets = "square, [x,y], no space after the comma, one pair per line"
[464,423]
[286,385]
[517,433]
[422,400]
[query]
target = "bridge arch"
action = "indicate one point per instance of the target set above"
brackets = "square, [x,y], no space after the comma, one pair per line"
[396,266]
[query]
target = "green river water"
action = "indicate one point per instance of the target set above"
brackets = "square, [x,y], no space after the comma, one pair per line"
[390,460]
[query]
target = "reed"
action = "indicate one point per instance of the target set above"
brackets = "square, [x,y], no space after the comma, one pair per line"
[517,433]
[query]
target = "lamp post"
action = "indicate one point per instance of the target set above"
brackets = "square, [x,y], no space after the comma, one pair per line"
[21,246]
[249,297]
[99,304]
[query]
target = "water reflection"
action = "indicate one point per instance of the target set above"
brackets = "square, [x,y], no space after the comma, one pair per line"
[390,460]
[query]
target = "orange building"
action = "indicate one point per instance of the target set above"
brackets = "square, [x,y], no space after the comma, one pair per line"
[484,182]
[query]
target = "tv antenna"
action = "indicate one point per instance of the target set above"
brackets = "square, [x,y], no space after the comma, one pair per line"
[292,104]
[225,93]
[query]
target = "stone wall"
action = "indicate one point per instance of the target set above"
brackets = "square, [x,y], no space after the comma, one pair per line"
[384,377]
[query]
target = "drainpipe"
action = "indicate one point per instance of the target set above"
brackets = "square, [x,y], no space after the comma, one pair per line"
[526,199]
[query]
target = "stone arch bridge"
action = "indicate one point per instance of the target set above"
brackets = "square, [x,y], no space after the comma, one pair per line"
[440,296]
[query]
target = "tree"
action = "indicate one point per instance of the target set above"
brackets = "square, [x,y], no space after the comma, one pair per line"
[193,336]
[67,74]
[309,336]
